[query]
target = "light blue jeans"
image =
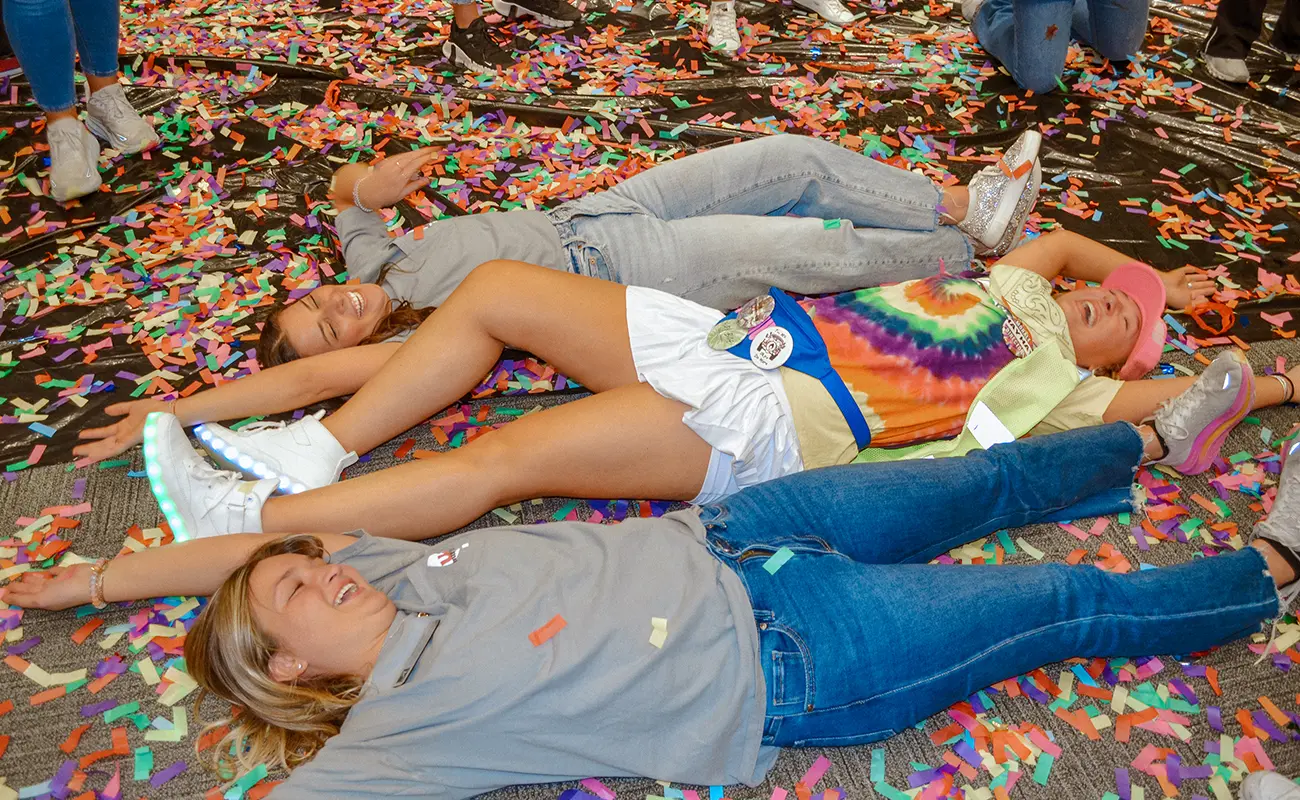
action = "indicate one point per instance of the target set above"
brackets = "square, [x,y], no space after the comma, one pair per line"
[725,225]
[1031,37]
[48,35]
[861,639]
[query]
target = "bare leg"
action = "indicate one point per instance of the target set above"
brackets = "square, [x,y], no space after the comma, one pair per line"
[954,204]
[576,324]
[627,442]
[464,14]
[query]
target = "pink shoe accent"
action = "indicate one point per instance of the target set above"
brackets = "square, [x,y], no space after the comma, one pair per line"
[1210,441]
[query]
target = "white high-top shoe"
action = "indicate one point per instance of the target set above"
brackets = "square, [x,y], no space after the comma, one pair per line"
[299,455]
[197,499]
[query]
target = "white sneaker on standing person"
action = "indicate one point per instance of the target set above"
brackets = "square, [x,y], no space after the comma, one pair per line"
[1268,786]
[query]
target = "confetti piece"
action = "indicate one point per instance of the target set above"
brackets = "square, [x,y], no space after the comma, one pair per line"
[544,633]
[658,631]
[777,560]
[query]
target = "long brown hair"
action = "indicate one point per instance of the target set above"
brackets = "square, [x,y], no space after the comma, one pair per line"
[279,724]
[274,347]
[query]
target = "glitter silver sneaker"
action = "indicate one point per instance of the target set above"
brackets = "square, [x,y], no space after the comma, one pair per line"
[74,160]
[1001,200]
[1268,786]
[1283,529]
[109,116]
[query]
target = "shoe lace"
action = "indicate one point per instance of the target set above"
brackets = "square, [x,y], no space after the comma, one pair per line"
[114,109]
[722,17]
[1286,599]
[1174,413]
[266,424]
[220,484]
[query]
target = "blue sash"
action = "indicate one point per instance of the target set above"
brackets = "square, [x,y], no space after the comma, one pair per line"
[810,357]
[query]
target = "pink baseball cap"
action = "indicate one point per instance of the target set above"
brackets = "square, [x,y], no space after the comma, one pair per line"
[1143,284]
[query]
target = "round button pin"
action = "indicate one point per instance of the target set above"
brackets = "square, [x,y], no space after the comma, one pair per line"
[755,312]
[772,348]
[726,335]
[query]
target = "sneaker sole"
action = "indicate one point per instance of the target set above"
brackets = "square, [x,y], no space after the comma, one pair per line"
[1020,215]
[101,133]
[459,57]
[1001,219]
[229,457]
[511,10]
[1207,446]
[157,431]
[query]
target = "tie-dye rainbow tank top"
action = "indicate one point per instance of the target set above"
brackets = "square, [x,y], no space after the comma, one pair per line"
[913,354]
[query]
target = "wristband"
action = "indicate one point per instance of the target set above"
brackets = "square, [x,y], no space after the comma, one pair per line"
[97,584]
[1288,388]
[356,193]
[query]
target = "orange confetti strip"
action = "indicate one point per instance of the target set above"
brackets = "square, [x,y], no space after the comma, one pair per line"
[74,738]
[544,633]
[52,693]
[85,630]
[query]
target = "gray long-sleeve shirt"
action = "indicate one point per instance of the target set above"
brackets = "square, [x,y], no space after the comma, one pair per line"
[447,251]
[461,701]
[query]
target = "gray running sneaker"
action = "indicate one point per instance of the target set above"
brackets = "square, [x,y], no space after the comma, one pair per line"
[1268,786]
[74,159]
[1196,423]
[1283,528]
[1000,201]
[110,117]
[1232,70]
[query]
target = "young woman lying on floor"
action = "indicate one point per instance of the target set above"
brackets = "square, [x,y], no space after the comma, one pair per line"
[664,647]
[717,227]
[675,419]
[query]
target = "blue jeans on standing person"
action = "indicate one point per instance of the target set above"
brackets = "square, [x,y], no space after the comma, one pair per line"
[48,35]
[1031,37]
[860,638]
[725,225]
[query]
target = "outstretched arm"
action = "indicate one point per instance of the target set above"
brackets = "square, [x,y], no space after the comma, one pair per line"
[196,567]
[1137,401]
[284,388]
[1062,252]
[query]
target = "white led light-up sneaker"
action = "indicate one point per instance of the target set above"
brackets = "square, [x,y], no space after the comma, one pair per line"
[298,455]
[196,499]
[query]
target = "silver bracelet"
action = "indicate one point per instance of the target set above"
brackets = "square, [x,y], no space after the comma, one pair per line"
[356,193]
[1288,388]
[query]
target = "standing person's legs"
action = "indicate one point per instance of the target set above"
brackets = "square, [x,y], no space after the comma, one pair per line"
[911,511]
[854,653]
[1029,37]
[1114,28]
[1286,36]
[42,36]
[97,25]
[1236,27]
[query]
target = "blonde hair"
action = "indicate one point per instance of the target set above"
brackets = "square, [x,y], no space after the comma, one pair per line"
[279,724]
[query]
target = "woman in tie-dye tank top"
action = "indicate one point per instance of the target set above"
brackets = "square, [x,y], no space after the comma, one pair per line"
[677,416]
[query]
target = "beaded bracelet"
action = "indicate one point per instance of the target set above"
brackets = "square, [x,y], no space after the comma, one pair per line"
[97,584]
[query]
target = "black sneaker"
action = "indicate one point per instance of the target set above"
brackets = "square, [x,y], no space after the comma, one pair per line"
[555,13]
[472,48]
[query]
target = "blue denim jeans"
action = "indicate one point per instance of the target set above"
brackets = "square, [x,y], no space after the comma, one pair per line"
[860,638]
[799,213]
[47,36]
[1030,37]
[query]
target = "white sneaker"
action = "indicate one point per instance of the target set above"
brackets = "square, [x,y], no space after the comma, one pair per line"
[1268,786]
[299,456]
[110,116]
[833,11]
[722,32]
[74,159]
[1232,70]
[969,8]
[196,499]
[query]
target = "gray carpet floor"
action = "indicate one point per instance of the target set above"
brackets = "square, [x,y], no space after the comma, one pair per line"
[1086,769]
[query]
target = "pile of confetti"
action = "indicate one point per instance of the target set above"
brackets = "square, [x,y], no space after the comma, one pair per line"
[151,287]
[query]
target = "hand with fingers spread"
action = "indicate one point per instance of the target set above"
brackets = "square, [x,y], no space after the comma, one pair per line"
[1187,286]
[52,589]
[122,435]
[381,184]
